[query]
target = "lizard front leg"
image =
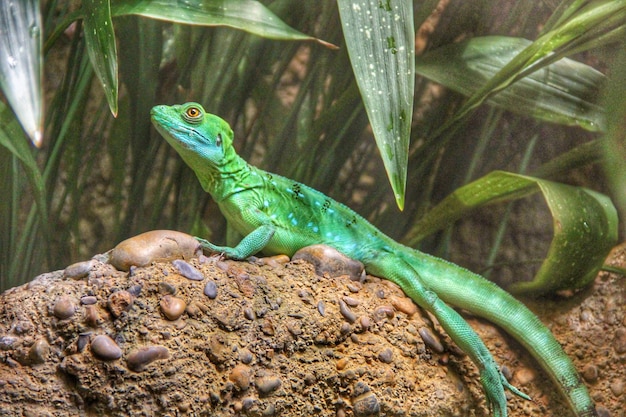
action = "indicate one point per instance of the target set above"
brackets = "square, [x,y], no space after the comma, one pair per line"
[249,245]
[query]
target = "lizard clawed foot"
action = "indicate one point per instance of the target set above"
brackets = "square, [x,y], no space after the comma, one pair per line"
[494,384]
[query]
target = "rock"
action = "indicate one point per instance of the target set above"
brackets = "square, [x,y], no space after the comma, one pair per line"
[139,359]
[240,376]
[210,290]
[172,307]
[327,260]
[265,385]
[103,347]
[154,246]
[79,270]
[187,270]
[64,308]
[119,302]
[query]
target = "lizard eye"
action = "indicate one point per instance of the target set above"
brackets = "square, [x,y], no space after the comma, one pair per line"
[218,139]
[192,114]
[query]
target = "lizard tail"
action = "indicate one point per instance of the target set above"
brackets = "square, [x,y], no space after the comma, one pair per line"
[462,288]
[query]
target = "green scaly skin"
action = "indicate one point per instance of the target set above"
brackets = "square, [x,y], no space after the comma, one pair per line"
[279,216]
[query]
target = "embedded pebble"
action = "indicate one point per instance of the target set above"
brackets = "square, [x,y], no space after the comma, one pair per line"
[245,356]
[119,302]
[91,316]
[383,312]
[354,286]
[135,290]
[346,312]
[327,260]
[240,376]
[590,373]
[88,300]
[404,304]
[619,343]
[172,307]
[617,387]
[267,384]
[79,269]
[64,308]
[154,246]
[365,322]
[352,302]
[210,290]
[142,357]
[103,347]
[187,270]
[321,308]
[83,340]
[386,355]
[365,403]
[249,313]
[7,342]
[430,339]
[38,352]
[524,376]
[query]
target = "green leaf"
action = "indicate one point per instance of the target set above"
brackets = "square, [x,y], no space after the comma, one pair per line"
[565,92]
[585,226]
[583,26]
[12,138]
[100,40]
[20,63]
[381,43]
[247,15]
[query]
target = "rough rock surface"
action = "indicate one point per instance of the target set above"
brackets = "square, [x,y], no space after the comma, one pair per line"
[272,338]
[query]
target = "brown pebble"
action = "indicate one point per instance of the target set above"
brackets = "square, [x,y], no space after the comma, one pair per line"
[617,387]
[321,308]
[172,307]
[267,384]
[79,269]
[188,271]
[64,308]
[153,246]
[386,356]
[383,312]
[365,322]
[119,302]
[83,340]
[240,376]
[38,352]
[341,363]
[430,339]
[210,290]
[404,304]
[88,300]
[352,302]
[103,347]
[524,376]
[248,313]
[91,316]
[346,312]
[140,358]
[590,373]
[328,260]
[245,356]
[366,404]
[619,343]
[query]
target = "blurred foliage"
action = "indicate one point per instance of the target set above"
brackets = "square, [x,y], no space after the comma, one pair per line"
[297,110]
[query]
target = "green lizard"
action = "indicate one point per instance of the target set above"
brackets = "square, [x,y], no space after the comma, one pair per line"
[279,216]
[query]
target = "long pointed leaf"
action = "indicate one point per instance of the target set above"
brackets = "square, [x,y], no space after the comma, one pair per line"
[248,15]
[585,226]
[381,43]
[20,63]
[100,40]
[565,92]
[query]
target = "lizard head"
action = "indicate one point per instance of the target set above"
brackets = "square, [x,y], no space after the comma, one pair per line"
[202,139]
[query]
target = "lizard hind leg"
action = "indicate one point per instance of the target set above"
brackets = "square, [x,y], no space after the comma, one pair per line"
[492,380]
